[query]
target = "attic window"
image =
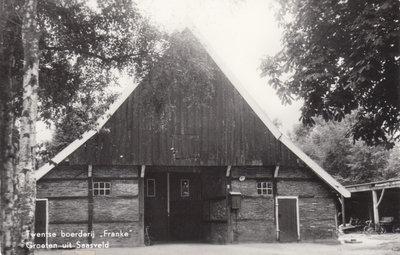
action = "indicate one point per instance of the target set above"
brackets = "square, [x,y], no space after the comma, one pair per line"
[264,188]
[101,188]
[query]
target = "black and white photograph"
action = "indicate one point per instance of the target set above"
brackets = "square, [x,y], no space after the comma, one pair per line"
[199,127]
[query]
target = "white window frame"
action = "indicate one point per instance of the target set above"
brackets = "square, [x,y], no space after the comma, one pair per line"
[268,188]
[104,189]
[154,187]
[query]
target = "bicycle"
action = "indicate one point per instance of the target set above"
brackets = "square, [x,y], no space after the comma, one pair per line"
[371,228]
[147,238]
[396,228]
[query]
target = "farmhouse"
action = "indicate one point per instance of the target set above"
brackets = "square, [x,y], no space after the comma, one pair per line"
[216,172]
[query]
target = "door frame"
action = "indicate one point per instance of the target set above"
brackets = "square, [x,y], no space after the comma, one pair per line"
[277,213]
[47,216]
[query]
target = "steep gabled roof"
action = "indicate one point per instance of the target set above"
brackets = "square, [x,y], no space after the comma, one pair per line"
[243,92]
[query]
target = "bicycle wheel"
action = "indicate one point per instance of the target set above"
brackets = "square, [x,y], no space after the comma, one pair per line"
[396,228]
[147,240]
[381,230]
[368,230]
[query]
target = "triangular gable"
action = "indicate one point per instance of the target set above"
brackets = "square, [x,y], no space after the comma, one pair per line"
[242,91]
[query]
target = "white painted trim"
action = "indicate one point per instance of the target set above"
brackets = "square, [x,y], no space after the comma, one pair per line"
[90,171]
[380,198]
[276,172]
[228,171]
[236,83]
[168,196]
[47,217]
[319,171]
[243,92]
[142,171]
[277,230]
[297,212]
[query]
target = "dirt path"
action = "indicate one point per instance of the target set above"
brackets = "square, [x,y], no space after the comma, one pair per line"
[388,244]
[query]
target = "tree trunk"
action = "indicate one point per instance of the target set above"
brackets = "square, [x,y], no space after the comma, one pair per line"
[7,179]
[8,36]
[25,179]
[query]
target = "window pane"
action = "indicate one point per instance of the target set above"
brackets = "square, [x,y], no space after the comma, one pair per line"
[151,187]
[101,188]
[185,192]
[264,188]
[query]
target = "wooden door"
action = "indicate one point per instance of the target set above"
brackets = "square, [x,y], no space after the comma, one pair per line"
[40,220]
[155,208]
[287,219]
[186,207]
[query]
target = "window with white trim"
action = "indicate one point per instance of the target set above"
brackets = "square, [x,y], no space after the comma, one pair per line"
[101,188]
[264,188]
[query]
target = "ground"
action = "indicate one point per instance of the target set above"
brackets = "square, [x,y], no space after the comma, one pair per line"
[350,244]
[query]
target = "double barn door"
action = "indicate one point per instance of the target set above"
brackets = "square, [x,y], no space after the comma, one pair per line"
[173,206]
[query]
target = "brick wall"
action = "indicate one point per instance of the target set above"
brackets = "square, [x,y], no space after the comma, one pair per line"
[68,210]
[62,188]
[66,188]
[255,221]
[67,191]
[66,228]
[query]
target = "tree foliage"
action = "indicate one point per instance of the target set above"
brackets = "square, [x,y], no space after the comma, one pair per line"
[350,162]
[341,56]
[82,49]
[183,66]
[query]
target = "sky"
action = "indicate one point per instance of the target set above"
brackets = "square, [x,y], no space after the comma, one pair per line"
[242,32]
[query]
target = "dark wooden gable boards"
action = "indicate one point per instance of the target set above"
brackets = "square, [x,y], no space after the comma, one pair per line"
[224,131]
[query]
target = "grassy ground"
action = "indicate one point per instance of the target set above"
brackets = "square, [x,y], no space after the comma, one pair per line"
[350,244]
